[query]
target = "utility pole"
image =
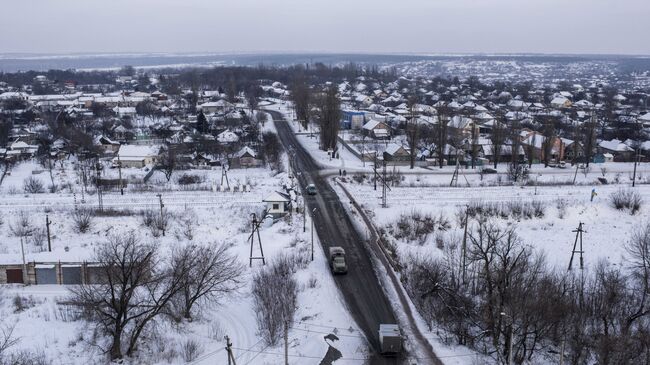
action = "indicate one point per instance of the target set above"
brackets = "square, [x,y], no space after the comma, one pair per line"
[374,169]
[313,213]
[636,159]
[578,232]
[119,169]
[22,249]
[231,357]
[384,204]
[304,216]
[256,228]
[47,226]
[100,198]
[224,174]
[286,342]
[465,243]
[162,216]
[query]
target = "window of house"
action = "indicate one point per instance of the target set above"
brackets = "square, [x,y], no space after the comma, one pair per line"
[276,206]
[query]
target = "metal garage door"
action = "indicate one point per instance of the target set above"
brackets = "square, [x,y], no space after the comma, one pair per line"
[71,274]
[14,276]
[45,274]
[95,274]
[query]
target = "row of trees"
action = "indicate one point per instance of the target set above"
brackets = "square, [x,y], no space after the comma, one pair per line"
[499,297]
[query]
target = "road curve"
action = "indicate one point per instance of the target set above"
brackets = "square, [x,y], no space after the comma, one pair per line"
[364,296]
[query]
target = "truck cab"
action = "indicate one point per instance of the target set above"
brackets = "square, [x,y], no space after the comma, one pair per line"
[337,260]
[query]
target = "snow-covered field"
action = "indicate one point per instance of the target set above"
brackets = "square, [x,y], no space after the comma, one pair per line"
[42,325]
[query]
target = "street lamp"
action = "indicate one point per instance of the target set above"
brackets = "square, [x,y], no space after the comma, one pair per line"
[313,213]
[503,314]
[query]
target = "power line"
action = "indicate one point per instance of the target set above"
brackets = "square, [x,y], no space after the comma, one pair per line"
[328,326]
[326,333]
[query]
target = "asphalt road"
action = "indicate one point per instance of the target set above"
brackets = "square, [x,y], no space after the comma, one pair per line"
[365,298]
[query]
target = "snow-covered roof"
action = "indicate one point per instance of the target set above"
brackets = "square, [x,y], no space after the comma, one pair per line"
[615,145]
[246,150]
[128,151]
[277,197]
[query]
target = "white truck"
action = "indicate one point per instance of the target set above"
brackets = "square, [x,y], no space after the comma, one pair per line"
[337,260]
[390,339]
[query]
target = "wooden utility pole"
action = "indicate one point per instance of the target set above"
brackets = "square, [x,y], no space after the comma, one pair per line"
[578,232]
[162,215]
[256,228]
[231,357]
[100,198]
[47,226]
[224,174]
[119,169]
[286,342]
[465,243]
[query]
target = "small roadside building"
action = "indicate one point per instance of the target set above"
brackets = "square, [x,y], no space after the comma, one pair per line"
[278,204]
[137,156]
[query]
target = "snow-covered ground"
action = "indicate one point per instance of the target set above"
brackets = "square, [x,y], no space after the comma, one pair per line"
[42,325]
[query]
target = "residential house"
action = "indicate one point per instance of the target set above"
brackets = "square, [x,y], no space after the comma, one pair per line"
[619,150]
[396,154]
[137,156]
[376,129]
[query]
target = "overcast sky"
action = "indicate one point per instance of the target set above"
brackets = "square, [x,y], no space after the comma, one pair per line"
[374,26]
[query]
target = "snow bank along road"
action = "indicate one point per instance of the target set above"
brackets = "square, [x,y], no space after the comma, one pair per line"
[363,294]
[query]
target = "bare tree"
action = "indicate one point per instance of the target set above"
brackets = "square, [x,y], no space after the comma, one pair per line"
[589,135]
[301,97]
[134,289]
[330,118]
[208,273]
[167,163]
[412,130]
[498,139]
[275,294]
[441,134]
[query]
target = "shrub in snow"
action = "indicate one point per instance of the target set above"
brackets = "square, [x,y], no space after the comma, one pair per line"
[190,350]
[275,293]
[517,172]
[561,205]
[83,219]
[417,226]
[33,185]
[21,225]
[187,179]
[626,198]
[513,209]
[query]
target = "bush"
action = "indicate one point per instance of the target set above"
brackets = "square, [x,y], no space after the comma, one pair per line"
[83,218]
[275,293]
[626,199]
[513,209]
[190,350]
[417,226]
[187,179]
[33,185]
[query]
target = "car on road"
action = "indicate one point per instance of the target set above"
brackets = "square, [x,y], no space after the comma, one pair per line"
[311,189]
